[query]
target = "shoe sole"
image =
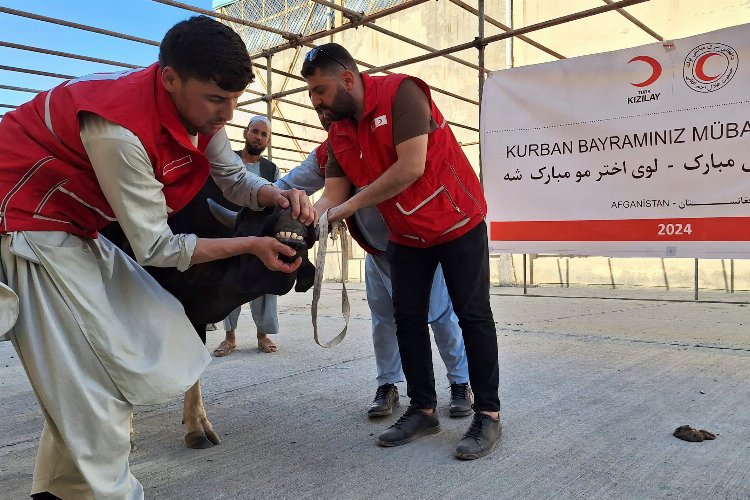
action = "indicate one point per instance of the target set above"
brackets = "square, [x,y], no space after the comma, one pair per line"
[383,413]
[474,456]
[459,414]
[426,432]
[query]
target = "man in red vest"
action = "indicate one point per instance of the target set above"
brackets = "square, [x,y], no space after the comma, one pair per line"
[94,332]
[389,138]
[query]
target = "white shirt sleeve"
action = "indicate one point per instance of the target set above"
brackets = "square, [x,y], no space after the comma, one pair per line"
[126,177]
[228,171]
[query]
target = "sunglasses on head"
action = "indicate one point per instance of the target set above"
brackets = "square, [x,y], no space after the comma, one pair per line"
[313,55]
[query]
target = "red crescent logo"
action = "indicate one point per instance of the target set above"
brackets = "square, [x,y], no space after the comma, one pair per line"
[699,72]
[655,70]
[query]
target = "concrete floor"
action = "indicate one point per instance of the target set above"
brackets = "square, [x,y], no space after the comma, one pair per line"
[593,382]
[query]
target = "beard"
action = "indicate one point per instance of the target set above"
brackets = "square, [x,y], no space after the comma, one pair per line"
[253,151]
[343,106]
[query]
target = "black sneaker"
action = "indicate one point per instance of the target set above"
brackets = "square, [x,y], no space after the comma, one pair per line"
[480,439]
[386,397]
[413,424]
[461,400]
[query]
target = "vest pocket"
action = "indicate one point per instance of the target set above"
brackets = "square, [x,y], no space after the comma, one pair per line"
[425,212]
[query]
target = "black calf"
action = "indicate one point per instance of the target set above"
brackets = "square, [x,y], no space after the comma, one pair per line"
[210,291]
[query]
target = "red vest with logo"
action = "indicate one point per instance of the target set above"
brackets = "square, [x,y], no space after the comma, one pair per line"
[46,179]
[445,203]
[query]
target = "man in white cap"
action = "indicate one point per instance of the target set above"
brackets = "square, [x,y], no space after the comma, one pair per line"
[264,309]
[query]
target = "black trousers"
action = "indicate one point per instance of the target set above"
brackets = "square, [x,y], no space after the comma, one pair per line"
[465,262]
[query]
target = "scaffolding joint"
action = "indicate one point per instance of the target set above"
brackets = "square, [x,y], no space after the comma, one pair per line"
[354,17]
[479,43]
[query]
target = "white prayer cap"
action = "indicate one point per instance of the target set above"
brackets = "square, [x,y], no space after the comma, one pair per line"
[259,118]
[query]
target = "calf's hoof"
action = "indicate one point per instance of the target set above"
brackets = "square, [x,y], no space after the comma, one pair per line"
[200,440]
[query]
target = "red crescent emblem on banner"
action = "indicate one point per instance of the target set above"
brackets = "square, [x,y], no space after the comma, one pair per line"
[655,70]
[699,72]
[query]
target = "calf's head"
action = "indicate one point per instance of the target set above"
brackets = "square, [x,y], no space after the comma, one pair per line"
[277,223]
[290,231]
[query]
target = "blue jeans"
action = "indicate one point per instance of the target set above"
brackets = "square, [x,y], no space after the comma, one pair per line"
[441,318]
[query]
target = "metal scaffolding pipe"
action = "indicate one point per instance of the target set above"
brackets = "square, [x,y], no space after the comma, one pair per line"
[635,21]
[83,27]
[284,101]
[297,90]
[509,42]
[282,119]
[20,89]
[461,125]
[292,150]
[314,141]
[509,33]
[66,54]
[296,160]
[269,102]
[527,29]
[11,106]
[375,70]
[275,147]
[353,16]
[480,59]
[36,72]
[302,40]
[372,69]
[218,15]
[280,72]
[503,27]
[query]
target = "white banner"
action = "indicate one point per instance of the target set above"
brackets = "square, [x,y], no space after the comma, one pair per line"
[644,151]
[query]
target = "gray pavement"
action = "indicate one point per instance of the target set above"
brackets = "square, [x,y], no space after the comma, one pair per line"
[593,382]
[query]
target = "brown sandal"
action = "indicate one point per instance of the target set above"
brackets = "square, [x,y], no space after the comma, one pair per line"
[224,349]
[265,344]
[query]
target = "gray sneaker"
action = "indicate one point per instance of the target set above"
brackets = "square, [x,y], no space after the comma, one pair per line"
[482,436]
[413,424]
[461,401]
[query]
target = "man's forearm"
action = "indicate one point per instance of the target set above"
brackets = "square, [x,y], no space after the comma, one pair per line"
[324,203]
[394,181]
[209,249]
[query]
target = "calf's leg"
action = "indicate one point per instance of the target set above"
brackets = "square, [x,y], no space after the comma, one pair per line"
[200,433]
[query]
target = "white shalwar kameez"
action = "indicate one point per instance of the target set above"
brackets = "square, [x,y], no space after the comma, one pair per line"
[96,333]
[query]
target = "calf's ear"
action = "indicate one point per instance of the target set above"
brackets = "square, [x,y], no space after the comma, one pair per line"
[313,235]
[305,276]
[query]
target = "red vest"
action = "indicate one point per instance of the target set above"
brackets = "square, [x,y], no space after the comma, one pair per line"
[446,202]
[46,180]
[321,154]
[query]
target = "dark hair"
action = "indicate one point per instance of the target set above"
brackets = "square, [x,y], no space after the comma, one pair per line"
[206,50]
[329,58]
